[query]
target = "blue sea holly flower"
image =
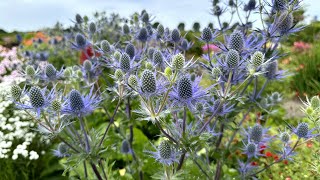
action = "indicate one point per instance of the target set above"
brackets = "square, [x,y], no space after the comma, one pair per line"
[188,93]
[61,151]
[125,63]
[272,72]
[185,45]
[39,99]
[79,105]
[90,71]
[165,153]
[51,74]
[81,43]
[150,85]
[252,150]
[303,131]
[245,168]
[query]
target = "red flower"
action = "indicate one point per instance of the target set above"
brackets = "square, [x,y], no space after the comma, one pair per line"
[269,154]
[254,163]
[309,144]
[275,157]
[285,162]
[262,147]
[88,53]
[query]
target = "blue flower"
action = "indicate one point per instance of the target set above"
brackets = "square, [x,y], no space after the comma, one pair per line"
[165,153]
[303,131]
[79,105]
[51,74]
[188,93]
[252,150]
[81,43]
[38,100]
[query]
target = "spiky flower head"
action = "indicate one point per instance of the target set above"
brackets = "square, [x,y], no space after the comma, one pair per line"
[178,61]
[279,5]
[251,149]
[79,73]
[175,35]
[76,101]
[150,52]
[16,92]
[143,35]
[250,6]
[276,97]
[30,71]
[105,46]
[36,97]
[302,130]
[206,34]
[50,71]
[165,149]
[272,70]
[125,62]
[236,41]
[185,88]
[256,133]
[87,64]
[148,82]
[315,102]
[118,74]
[233,58]
[81,41]
[184,44]
[285,22]
[56,105]
[79,19]
[62,150]
[92,28]
[117,55]
[130,50]
[160,30]
[257,59]
[157,57]
[285,137]
[145,17]
[125,147]
[133,81]
[125,29]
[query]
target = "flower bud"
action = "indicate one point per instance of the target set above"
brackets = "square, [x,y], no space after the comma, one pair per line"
[256,133]
[105,46]
[285,137]
[132,81]
[257,59]
[175,35]
[130,50]
[118,74]
[233,58]
[206,34]
[125,62]
[87,65]
[168,72]
[126,29]
[315,102]
[160,30]
[56,105]
[92,28]
[50,71]
[178,61]
[16,92]
[30,71]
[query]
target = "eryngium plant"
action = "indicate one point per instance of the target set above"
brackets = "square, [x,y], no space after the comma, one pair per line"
[148,67]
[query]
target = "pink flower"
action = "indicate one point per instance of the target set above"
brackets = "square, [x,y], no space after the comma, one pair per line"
[211,47]
[301,46]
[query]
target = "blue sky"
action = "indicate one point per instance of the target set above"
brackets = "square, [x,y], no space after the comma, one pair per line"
[26,15]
